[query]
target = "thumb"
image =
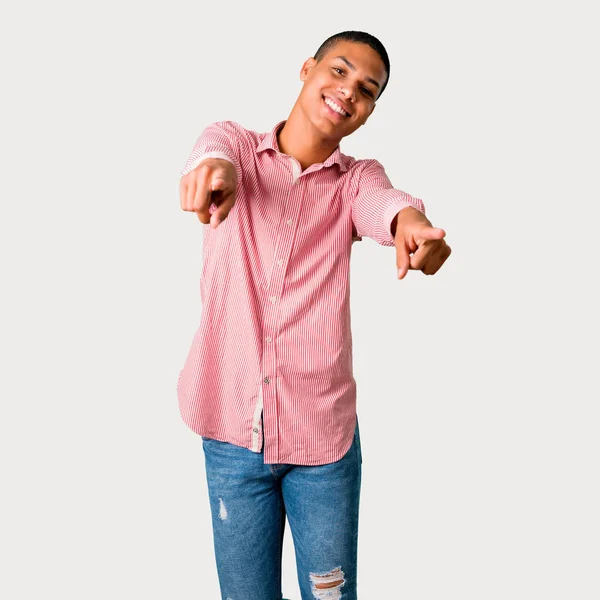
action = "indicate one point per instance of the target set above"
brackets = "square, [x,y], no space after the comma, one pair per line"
[219,179]
[431,233]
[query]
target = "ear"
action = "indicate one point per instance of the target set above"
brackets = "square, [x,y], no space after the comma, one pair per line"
[309,63]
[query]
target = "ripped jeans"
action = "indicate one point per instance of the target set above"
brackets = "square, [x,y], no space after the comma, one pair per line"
[249,504]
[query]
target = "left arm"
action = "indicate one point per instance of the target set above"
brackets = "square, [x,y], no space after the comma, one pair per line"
[392,217]
[377,202]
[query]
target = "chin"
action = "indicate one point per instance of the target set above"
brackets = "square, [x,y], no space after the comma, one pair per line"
[324,125]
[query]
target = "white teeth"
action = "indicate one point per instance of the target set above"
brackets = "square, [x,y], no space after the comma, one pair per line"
[335,107]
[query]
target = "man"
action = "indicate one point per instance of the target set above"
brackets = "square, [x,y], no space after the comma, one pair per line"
[268,380]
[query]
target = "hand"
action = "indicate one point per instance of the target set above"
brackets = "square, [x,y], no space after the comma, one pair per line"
[213,181]
[413,232]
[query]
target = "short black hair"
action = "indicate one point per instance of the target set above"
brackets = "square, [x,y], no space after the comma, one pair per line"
[359,37]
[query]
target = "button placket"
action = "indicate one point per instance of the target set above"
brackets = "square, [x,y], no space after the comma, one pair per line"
[271,322]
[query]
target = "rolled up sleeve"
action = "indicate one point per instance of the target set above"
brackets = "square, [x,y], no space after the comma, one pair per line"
[218,140]
[377,202]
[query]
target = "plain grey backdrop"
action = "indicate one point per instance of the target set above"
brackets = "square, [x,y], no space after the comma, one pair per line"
[477,387]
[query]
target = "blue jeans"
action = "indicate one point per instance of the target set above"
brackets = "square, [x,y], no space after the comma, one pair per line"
[249,504]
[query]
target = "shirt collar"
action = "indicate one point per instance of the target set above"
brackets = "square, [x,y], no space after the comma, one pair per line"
[269,141]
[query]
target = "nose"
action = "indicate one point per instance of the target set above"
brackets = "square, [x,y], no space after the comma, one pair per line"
[348,94]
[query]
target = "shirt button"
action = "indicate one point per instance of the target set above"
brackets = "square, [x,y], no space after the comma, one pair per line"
[280,262]
[290,222]
[255,429]
[273,299]
[266,380]
[269,339]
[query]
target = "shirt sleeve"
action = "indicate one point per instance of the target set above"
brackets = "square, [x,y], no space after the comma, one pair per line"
[218,140]
[377,202]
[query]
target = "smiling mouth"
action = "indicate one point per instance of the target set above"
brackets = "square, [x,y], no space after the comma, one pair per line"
[338,110]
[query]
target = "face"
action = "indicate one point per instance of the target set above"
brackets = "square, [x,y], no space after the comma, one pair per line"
[340,90]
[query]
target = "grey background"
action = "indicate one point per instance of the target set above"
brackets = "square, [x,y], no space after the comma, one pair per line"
[478,389]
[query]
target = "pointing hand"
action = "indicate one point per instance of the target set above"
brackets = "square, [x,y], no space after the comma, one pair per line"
[212,182]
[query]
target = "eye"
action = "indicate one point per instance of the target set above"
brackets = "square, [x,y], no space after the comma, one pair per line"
[338,70]
[367,92]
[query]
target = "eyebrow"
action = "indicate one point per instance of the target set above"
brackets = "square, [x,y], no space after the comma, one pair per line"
[351,66]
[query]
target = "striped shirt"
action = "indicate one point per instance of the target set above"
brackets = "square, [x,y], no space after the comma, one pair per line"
[270,364]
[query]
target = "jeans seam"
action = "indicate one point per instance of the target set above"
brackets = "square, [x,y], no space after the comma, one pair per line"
[279,541]
[357,444]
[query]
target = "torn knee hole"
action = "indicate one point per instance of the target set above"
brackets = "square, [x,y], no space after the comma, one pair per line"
[222,510]
[327,581]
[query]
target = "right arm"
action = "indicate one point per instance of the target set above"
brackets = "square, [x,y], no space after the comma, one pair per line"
[212,174]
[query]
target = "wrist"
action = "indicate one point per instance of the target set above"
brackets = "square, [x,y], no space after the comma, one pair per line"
[406,215]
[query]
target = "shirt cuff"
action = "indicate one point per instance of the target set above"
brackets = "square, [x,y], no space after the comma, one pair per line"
[393,210]
[214,154]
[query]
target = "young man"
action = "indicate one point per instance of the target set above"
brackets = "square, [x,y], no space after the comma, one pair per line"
[268,380]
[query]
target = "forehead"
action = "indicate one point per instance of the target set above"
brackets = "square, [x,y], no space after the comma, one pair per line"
[366,60]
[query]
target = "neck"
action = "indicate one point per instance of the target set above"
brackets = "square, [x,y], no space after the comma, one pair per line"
[299,138]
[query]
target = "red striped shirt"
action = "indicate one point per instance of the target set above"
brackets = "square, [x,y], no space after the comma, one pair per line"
[273,350]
